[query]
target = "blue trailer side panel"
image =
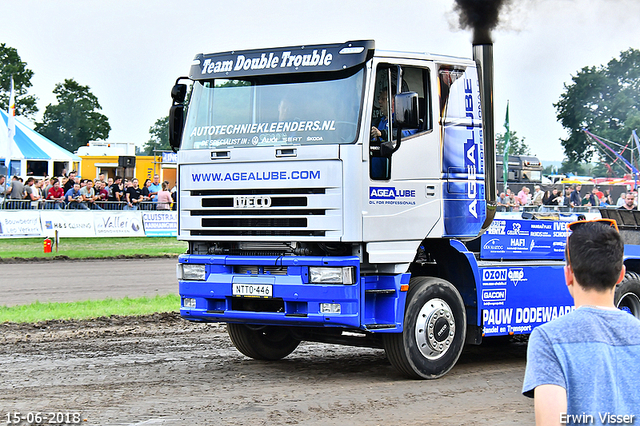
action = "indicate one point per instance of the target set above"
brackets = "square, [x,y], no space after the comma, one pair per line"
[516,299]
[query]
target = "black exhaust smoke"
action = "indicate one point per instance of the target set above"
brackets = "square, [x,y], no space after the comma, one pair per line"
[482,16]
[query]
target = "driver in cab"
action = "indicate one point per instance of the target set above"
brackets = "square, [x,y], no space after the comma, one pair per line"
[381,131]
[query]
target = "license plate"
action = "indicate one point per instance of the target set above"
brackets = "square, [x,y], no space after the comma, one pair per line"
[253,290]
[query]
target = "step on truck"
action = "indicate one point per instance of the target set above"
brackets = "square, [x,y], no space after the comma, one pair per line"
[338,193]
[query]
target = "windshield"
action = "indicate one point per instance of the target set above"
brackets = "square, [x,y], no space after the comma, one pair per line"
[263,111]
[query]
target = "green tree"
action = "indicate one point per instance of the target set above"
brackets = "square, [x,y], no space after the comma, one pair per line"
[605,100]
[159,136]
[75,120]
[517,145]
[12,65]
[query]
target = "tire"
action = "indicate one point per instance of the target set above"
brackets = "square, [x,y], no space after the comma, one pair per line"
[627,295]
[432,303]
[263,343]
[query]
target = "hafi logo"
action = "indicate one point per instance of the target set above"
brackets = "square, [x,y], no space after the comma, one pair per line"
[494,295]
[516,275]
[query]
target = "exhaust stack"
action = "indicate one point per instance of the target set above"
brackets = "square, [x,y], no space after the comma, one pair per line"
[483,56]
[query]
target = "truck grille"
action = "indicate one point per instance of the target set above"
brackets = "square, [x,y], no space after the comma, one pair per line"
[269,212]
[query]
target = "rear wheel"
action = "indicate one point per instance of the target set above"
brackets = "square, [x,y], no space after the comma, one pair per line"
[627,295]
[435,326]
[263,343]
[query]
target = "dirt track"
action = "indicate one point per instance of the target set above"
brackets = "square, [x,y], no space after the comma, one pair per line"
[161,370]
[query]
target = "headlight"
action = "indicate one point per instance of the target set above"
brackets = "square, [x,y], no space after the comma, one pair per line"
[193,272]
[332,275]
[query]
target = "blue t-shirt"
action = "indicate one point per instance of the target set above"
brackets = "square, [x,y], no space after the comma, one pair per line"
[155,188]
[71,193]
[595,355]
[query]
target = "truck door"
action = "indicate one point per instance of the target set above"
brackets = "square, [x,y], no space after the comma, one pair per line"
[403,194]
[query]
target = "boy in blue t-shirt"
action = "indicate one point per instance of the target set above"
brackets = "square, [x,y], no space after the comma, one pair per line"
[583,367]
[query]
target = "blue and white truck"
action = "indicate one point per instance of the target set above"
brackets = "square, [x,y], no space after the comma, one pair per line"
[312,216]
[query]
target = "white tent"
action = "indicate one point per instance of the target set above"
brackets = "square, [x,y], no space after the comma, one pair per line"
[32,154]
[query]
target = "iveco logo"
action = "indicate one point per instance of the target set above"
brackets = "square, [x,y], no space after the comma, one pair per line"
[251,202]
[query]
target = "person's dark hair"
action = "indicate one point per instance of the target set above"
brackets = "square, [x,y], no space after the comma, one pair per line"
[595,251]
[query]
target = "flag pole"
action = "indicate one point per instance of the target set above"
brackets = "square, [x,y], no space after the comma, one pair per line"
[505,159]
[11,126]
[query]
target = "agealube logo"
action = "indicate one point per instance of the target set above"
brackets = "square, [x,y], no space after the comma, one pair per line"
[390,193]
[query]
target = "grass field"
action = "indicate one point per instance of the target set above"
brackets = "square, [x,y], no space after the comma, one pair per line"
[82,248]
[37,311]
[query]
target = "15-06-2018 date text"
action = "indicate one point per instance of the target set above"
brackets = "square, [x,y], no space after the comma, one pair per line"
[43,418]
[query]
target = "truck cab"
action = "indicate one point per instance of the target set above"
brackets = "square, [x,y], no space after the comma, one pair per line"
[336,193]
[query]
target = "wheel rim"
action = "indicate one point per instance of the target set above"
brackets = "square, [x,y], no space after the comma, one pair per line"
[435,329]
[630,302]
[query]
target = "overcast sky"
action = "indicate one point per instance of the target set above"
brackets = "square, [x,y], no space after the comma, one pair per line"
[130,52]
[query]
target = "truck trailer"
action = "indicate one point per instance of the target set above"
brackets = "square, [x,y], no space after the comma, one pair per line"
[343,194]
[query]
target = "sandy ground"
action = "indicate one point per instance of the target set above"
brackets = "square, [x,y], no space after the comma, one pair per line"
[162,370]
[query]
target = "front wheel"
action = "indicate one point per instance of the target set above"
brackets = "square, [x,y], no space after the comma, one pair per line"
[627,295]
[435,325]
[262,343]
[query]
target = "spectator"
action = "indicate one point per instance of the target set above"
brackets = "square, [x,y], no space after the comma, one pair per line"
[164,197]
[73,199]
[56,195]
[46,189]
[576,199]
[133,195]
[116,191]
[70,181]
[3,188]
[567,196]
[101,191]
[584,363]
[629,201]
[101,177]
[154,188]
[589,200]
[554,198]
[538,195]
[31,192]
[524,199]
[502,200]
[174,197]
[89,196]
[608,198]
[146,191]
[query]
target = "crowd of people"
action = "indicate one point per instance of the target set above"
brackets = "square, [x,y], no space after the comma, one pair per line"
[571,198]
[72,192]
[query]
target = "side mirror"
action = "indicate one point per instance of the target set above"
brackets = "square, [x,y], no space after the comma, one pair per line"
[176,114]
[179,93]
[407,110]
[176,126]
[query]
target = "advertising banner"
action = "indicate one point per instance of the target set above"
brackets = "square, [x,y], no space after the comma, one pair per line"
[118,224]
[25,223]
[160,223]
[68,223]
[515,300]
[524,239]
